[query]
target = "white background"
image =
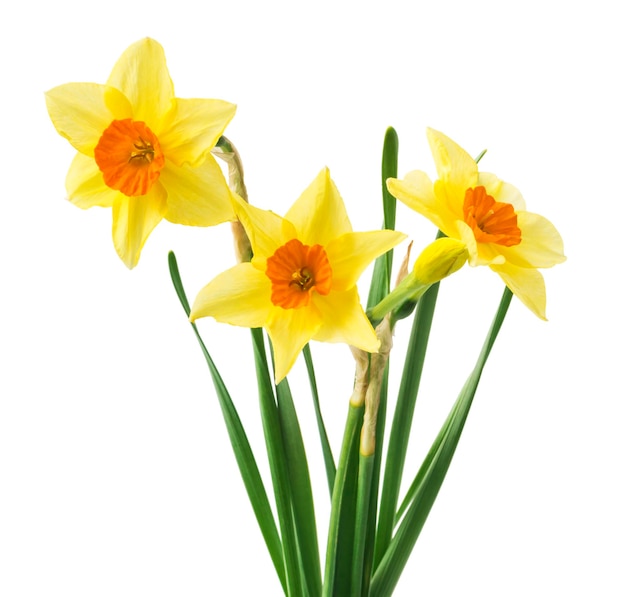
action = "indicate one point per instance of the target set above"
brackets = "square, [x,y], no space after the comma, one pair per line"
[116,475]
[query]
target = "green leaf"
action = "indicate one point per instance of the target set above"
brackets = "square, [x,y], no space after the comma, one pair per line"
[337,574]
[278,466]
[302,496]
[389,169]
[381,277]
[329,461]
[429,479]
[239,442]
[403,419]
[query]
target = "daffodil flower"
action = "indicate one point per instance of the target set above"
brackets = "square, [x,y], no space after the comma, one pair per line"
[301,282]
[486,214]
[141,150]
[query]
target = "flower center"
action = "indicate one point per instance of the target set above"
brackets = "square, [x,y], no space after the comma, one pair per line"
[129,156]
[295,270]
[491,222]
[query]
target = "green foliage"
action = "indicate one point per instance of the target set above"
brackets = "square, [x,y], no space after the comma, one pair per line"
[370,538]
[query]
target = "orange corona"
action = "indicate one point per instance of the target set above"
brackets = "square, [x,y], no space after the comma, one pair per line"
[129,156]
[296,270]
[491,221]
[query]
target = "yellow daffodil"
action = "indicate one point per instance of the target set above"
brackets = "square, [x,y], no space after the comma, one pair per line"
[301,282]
[141,150]
[486,214]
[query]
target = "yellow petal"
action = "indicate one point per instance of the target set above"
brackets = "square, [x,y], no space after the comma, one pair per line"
[196,126]
[351,253]
[344,320]
[134,218]
[455,167]
[81,112]
[85,185]
[416,191]
[290,330]
[239,296]
[541,246]
[526,284]
[319,214]
[141,75]
[478,253]
[197,196]
[264,228]
[501,191]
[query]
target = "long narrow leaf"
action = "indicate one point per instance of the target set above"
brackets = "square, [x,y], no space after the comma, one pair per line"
[433,471]
[241,447]
[329,461]
[278,466]
[403,418]
[426,465]
[337,573]
[302,496]
[381,277]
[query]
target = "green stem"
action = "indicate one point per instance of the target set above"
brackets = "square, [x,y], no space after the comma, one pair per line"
[341,526]
[366,469]
[368,556]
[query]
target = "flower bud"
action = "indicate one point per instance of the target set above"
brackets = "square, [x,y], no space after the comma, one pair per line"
[440,259]
[437,261]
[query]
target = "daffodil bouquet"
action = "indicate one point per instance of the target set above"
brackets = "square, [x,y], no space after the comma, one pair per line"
[150,155]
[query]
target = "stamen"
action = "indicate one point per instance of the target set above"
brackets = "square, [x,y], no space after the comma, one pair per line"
[303,279]
[145,151]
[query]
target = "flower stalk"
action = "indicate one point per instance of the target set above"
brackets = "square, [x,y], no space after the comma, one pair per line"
[367,452]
